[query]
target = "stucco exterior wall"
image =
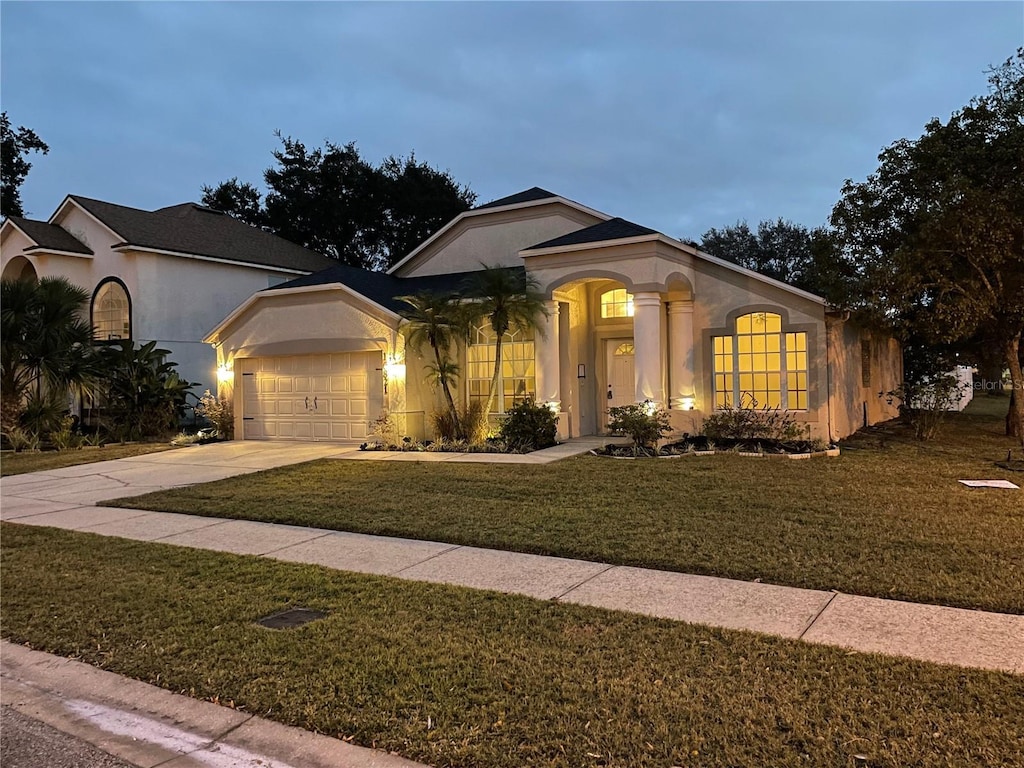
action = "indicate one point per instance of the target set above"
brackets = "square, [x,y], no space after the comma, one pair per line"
[175,300]
[495,239]
[853,402]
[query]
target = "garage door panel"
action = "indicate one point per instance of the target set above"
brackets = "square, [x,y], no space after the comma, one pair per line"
[314,397]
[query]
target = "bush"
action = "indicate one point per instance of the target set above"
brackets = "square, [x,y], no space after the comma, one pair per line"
[220,412]
[65,438]
[642,423]
[472,427]
[924,404]
[529,426]
[144,395]
[754,424]
[21,439]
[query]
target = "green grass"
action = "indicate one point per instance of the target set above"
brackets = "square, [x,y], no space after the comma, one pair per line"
[505,681]
[887,518]
[41,461]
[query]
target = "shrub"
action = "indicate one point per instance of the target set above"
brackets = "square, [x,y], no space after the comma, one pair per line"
[65,438]
[754,423]
[220,412]
[469,426]
[144,395]
[924,404]
[529,426]
[21,439]
[642,423]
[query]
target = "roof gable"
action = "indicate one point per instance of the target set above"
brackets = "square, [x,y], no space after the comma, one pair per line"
[49,237]
[192,230]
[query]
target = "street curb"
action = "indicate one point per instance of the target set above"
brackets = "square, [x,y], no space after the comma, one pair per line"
[149,726]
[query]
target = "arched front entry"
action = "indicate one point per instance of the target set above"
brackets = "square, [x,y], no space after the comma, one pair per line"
[20,268]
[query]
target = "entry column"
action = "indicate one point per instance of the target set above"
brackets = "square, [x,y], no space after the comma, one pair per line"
[680,354]
[647,347]
[547,358]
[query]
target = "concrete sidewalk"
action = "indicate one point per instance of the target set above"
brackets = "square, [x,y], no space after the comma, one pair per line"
[148,726]
[926,632]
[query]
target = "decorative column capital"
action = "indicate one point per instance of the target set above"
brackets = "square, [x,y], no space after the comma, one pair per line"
[681,307]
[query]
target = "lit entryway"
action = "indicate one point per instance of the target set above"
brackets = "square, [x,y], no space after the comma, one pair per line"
[311,397]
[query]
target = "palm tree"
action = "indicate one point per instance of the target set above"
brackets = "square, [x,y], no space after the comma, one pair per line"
[45,343]
[436,320]
[508,300]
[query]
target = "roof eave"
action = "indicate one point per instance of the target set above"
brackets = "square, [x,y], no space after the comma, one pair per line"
[213,337]
[500,209]
[124,247]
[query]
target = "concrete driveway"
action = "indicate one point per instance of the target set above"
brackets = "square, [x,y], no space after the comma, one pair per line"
[88,484]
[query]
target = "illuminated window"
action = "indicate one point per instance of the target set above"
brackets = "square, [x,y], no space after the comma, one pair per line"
[616,303]
[760,365]
[111,311]
[518,375]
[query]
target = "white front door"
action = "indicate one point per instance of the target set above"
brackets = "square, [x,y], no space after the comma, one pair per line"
[311,397]
[621,379]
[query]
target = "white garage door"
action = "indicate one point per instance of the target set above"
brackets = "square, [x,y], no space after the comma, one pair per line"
[311,397]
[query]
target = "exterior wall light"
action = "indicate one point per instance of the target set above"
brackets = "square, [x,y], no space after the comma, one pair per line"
[687,402]
[225,374]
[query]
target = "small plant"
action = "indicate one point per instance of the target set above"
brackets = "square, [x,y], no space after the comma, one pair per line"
[220,412]
[64,437]
[753,423]
[22,439]
[644,424]
[95,440]
[529,426]
[925,404]
[385,430]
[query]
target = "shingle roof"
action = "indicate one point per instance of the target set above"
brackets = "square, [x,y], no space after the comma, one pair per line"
[526,196]
[613,229]
[192,229]
[50,236]
[382,288]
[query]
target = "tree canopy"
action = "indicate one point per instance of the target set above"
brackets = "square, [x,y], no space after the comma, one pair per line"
[938,229]
[14,168]
[809,259]
[333,201]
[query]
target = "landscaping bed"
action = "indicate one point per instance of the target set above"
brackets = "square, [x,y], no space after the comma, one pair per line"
[457,677]
[701,445]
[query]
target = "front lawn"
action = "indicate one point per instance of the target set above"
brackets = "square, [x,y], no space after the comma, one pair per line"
[458,677]
[40,461]
[887,518]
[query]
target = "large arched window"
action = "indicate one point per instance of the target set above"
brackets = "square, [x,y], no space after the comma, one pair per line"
[111,311]
[760,365]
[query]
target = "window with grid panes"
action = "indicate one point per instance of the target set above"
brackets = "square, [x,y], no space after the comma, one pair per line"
[518,375]
[759,365]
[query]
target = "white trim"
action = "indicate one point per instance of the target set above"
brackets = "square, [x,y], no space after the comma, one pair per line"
[500,209]
[678,245]
[125,247]
[37,248]
[209,338]
[79,206]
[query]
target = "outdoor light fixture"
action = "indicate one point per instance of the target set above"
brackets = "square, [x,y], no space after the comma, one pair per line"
[225,375]
[392,370]
[687,401]
[581,371]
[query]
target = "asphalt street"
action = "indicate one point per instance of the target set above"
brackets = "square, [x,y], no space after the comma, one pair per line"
[28,743]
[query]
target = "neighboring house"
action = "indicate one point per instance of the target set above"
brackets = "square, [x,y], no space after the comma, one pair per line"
[167,275]
[634,316]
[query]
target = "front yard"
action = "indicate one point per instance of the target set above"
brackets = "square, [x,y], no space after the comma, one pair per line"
[457,677]
[888,518]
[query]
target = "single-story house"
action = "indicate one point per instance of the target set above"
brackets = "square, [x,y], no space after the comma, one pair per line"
[633,316]
[166,275]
